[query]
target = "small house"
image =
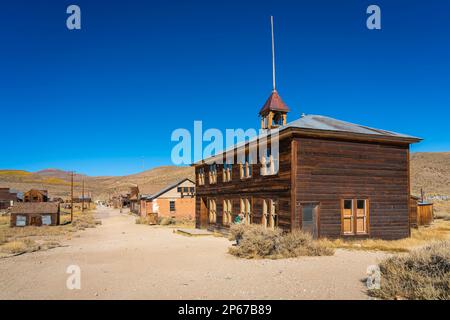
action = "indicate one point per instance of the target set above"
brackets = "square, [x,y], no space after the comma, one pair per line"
[8,198]
[35,214]
[176,201]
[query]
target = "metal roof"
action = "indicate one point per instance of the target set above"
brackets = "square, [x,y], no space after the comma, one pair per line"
[318,122]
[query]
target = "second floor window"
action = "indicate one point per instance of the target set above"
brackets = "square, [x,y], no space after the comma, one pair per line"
[246,168]
[269,163]
[212,173]
[227,172]
[201,176]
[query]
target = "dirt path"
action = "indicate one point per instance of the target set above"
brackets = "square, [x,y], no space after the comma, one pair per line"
[122,260]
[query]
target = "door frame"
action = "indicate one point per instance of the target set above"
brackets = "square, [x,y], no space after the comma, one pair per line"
[203,211]
[316,213]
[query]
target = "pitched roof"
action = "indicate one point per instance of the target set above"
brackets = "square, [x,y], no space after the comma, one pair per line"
[167,188]
[318,122]
[35,207]
[274,103]
[322,124]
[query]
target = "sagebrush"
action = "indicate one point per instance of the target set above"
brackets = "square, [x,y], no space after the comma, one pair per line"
[258,242]
[422,274]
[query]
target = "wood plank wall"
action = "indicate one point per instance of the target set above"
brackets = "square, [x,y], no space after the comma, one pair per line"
[329,171]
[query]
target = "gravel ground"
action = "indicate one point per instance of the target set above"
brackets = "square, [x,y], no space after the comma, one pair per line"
[122,260]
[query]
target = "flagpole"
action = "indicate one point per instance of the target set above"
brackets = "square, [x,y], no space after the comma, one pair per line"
[273,55]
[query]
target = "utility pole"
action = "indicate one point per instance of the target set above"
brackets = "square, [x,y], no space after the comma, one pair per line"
[71,200]
[82,198]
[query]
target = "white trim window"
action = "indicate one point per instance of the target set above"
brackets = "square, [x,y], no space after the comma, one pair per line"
[201,176]
[269,163]
[46,220]
[246,210]
[270,216]
[212,210]
[227,172]
[21,221]
[212,173]
[227,212]
[246,168]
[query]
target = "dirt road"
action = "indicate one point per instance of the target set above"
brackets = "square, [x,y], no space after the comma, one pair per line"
[122,260]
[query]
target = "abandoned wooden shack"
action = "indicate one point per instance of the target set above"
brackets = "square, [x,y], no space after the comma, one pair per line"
[176,201]
[8,198]
[35,214]
[134,199]
[35,195]
[330,177]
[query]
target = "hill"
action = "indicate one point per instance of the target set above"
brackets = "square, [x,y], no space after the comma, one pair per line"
[57,182]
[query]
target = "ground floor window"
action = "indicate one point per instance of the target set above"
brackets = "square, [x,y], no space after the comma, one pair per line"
[172,206]
[212,210]
[355,216]
[21,221]
[46,220]
[227,212]
[246,210]
[270,217]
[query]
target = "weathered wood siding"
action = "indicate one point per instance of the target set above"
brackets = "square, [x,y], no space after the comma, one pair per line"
[256,187]
[330,170]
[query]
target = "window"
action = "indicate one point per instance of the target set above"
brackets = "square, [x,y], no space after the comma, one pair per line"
[191,189]
[21,221]
[212,210]
[179,189]
[227,172]
[269,163]
[201,176]
[212,173]
[172,206]
[227,212]
[270,217]
[46,220]
[355,216]
[246,168]
[185,189]
[246,210]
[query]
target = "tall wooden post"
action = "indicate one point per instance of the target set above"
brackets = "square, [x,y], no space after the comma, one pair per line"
[71,199]
[82,198]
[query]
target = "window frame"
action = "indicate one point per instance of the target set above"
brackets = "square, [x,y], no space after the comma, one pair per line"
[354,217]
[212,210]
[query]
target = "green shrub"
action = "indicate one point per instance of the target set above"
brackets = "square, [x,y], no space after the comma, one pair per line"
[423,274]
[259,242]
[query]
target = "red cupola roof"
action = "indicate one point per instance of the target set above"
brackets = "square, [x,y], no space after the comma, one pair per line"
[274,103]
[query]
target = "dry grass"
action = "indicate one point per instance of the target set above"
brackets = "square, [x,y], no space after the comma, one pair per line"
[258,242]
[30,238]
[423,274]
[439,230]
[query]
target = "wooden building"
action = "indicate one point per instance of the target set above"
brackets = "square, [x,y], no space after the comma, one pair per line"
[35,195]
[176,200]
[35,214]
[8,198]
[134,200]
[421,212]
[330,177]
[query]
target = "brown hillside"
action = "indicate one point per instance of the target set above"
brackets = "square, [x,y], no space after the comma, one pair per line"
[57,182]
[430,171]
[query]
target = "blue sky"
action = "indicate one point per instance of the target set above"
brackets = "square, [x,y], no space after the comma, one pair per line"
[101,99]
